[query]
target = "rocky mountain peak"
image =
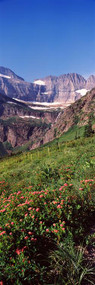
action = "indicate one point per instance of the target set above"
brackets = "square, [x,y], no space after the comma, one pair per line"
[90,82]
[66,88]
[9,74]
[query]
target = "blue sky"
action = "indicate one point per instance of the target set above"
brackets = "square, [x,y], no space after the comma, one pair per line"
[47,37]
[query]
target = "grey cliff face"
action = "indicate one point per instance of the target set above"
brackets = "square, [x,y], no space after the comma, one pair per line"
[49,89]
[90,82]
[63,88]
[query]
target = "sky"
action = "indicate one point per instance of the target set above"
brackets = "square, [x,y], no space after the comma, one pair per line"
[47,37]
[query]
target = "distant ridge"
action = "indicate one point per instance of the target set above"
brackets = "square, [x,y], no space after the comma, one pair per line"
[66,88]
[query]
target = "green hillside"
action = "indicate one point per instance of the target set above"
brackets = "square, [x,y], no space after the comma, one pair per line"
[47,209]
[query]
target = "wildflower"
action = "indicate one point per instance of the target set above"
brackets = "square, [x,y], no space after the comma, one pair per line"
[61,225]
[35,239]
[2,233]
[62,201]
[41,196]
[26,238]
[33,217]
[19,192]
[29,209]
[2,211]
[37,210]
[32,239]
[61,188]
[30,233]
[54,202]
[18,251]
[6,225]
[59,206]
[56,231]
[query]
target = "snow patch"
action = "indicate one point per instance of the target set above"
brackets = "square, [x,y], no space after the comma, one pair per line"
[39,108]
[18,100]
[39,82]
[46,103]
[82,91]
[28,117]
[45,108]
[45,93]
[11,102]
[5,76]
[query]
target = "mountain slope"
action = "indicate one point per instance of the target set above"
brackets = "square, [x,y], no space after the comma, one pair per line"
[19,124]
[76,114]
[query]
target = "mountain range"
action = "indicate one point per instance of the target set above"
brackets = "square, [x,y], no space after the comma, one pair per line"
[66,88]
[33,124]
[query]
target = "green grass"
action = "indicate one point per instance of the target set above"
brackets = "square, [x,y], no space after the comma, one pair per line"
[72,133]
[31,167]
[47,202]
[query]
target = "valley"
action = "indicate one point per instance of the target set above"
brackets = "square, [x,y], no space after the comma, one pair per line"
[47,186]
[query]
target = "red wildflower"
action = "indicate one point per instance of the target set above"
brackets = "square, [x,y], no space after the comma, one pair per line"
[56,231]
[26,238]
[30,233]
[18,251]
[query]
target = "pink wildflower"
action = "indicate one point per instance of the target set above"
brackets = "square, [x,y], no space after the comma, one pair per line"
[37,210]
[59,206]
